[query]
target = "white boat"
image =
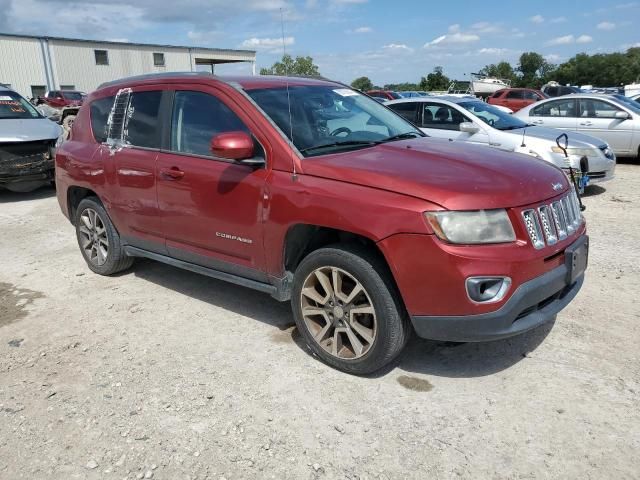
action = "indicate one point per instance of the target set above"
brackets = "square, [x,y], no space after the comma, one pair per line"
[485,86]
[631,89]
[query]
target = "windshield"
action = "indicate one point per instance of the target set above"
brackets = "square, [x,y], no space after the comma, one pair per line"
[73,95]
[13,105]
[327,119]
[493,116]
[628,102]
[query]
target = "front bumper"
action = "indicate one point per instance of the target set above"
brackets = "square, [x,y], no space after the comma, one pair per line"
[532,304]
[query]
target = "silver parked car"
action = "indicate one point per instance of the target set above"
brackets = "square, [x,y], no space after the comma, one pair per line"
[613,118]
[27,144]
[468,119]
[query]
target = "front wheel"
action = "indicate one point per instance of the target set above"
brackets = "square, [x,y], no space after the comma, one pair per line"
[348,310]
[98,239]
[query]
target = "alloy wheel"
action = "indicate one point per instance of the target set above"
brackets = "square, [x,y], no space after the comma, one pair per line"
[338,313]
[93,237]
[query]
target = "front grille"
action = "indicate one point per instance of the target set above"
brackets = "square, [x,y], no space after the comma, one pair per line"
[550,223]
[18,158]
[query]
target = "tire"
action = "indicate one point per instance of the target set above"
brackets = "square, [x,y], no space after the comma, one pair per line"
[381,335]
[100,245]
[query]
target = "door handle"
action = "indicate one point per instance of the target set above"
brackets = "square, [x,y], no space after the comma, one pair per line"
[538,122]
[173,173]
[586,124]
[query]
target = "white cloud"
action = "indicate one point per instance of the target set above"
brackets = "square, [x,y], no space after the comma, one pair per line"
[569,40]
[266,43]
[453,38]
[493,51]
[558,20]
[564,40]
[606,26]
[362,30]
[552,57]
[486,27]
[398,47]
[537,19]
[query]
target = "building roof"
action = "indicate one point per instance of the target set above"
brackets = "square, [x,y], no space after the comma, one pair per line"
[109,42]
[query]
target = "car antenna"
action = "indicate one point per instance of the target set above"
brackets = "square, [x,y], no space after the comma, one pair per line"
[294,175]
[563,147]
[524,132]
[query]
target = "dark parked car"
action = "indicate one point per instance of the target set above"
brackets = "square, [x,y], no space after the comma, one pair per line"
[516,98]
[316,194]
[554,89]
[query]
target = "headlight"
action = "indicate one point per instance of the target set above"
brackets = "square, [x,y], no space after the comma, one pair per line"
[472,227]
[582,152]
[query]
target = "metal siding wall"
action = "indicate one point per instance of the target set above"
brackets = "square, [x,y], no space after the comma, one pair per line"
[73,63]
[21,64]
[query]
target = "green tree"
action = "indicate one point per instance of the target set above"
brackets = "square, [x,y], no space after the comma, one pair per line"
[502,70]
[288,66]
[436,80]
[362,83]
[533,68]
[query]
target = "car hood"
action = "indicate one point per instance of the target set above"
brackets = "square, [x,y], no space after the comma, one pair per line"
[456,176]
[576,140]
[29,129]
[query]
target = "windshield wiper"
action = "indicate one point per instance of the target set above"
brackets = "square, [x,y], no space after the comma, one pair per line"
[346,143]
[400,136]
[512,127]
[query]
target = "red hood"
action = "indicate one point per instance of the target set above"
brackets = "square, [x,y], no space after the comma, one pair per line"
[455,175]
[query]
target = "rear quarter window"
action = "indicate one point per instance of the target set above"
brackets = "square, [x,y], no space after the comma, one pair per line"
[100,110]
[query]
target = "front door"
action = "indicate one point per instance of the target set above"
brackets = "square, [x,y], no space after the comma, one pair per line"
[211,207]
[597,118]
[441,120]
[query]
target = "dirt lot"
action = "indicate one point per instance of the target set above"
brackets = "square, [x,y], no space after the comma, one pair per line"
[161,373]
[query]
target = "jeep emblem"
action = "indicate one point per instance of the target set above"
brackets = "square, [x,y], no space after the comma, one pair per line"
[556,186]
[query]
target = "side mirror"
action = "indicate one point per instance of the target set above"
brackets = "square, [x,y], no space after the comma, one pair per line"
[622,115]
[469,127]
[233,146]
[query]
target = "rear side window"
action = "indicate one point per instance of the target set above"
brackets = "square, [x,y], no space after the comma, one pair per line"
[529,95]
[515,95]
[557,108]
[197,118]
[441,117]
[142,127]
[407,110]
[100,110]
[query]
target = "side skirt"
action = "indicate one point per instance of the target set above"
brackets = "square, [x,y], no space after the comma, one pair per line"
[278,292]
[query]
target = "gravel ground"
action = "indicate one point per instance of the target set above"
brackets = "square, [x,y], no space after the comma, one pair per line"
[161,373]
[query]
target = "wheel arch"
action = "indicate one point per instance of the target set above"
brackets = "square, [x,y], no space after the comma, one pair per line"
[75,195]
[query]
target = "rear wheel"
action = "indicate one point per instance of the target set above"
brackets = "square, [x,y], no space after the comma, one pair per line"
[348,310]
[98,239]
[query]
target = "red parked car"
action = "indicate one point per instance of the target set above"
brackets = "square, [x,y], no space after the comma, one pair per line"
[384,94]
[63,98]
[516,98]
[318,195]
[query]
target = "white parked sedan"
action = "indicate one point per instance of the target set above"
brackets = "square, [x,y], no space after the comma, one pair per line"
[472,120]
[612,118]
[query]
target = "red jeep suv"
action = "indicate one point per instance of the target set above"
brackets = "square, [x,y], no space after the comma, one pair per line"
[516,98]
[313,193]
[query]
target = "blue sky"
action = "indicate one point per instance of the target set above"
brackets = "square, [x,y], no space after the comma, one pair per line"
[386,41]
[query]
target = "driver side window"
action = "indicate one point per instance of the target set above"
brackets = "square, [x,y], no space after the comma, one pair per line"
[197,118]
[441,117]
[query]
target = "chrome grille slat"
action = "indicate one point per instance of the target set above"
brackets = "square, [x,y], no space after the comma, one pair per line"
[550,223]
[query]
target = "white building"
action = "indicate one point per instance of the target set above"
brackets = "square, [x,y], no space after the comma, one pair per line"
[31,65]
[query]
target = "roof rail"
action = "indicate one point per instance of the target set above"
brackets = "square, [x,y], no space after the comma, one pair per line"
[152,76]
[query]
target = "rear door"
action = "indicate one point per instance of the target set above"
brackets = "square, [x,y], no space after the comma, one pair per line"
[131,161]
[211,207]
[560,113]
[597,118]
